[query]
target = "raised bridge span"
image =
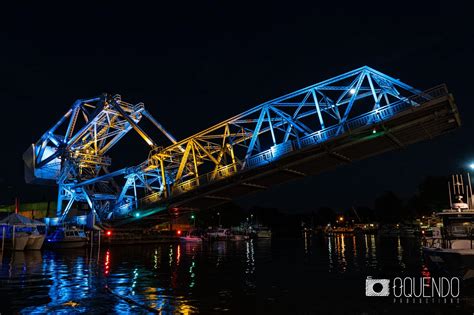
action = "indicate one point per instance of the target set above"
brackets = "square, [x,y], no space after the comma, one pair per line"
[346,118]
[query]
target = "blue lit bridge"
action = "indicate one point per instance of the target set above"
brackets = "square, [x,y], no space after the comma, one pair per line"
[346,118]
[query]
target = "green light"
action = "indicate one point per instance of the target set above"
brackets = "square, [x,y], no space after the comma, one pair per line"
[192,216]
[137,214]
[374,131]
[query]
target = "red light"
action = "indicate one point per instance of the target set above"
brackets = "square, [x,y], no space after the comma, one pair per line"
[108,233]
[179,232]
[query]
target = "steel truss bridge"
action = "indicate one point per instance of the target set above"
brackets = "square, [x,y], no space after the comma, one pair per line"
[349,117]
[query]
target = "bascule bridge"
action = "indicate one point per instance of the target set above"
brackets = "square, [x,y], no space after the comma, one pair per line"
[350,117]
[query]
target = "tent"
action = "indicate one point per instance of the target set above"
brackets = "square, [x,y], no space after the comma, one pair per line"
[18,219]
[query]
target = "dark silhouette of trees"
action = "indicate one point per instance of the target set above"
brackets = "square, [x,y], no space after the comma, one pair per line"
[432,196]
[389,208]
[325,215]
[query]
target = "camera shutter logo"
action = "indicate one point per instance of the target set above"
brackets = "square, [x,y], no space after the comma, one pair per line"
[377,287]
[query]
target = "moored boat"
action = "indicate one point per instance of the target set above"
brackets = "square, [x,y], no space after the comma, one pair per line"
[219,234]
[35,241]
[21,233]
[238,237]
[190,236]
[14,240]
[450,247]
[65,237]
[263,232]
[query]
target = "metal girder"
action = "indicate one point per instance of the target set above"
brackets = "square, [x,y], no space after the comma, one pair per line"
[339,156]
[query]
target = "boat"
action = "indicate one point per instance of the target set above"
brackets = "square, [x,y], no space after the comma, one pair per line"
[219,234]
[13,240]
[399,230]
[409,230]
[133,236]
[238,237]
[190,236]
[222,234]
[264,233]
[67,237]
[450,247]
[365,228]
[35,240]
[22,233]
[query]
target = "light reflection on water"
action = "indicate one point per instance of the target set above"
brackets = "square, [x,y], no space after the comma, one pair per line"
[220,276]
[363,252]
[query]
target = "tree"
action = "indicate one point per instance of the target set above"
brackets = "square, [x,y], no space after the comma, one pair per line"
[432,196]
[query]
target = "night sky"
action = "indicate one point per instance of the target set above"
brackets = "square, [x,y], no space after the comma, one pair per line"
[194,66]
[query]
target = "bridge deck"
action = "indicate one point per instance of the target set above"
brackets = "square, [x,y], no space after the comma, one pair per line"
[431,119]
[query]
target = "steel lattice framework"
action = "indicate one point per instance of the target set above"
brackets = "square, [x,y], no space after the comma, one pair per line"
[72,152]
[258,137]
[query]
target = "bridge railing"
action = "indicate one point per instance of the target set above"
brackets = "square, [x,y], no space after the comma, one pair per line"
[151,198]
[271,154]
[220,173]
[365,119]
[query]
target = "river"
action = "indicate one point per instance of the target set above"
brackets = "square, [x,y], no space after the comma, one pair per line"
[307,275]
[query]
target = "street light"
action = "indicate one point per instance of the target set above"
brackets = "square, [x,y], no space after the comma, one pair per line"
[471,166]
[219,215]
[194,219]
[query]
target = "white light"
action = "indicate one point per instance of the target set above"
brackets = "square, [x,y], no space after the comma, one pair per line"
[352,91]
[471,166]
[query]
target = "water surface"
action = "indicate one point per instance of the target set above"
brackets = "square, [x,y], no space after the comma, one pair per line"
[308,275]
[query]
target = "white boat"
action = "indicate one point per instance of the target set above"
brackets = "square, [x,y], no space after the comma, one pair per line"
[450,248]
[190,236]
[21,232]
[219,234]
[264,233]
[67,238]
[35,241]
[14,240]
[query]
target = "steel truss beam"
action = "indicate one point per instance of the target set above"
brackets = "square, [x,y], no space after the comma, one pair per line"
[264,133]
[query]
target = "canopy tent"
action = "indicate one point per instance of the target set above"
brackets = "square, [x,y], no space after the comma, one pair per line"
[18,219]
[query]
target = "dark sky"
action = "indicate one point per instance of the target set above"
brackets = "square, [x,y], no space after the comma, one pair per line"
[195,65]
